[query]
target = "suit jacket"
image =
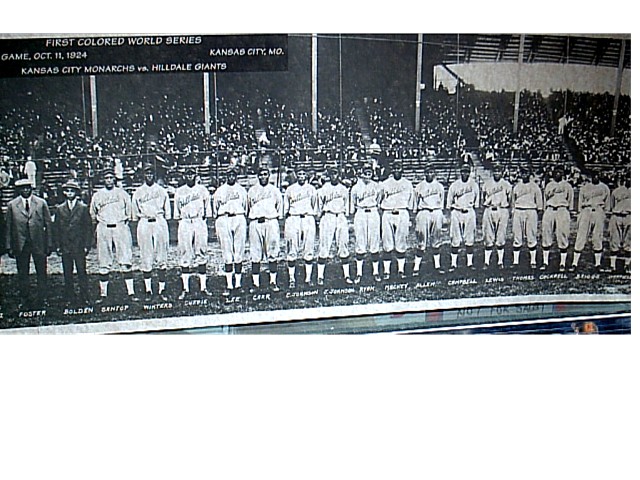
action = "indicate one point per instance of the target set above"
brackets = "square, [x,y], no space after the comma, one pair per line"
[72,229]
[35,224]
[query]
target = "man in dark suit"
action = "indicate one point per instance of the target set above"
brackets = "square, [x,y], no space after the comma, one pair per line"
[73,236]
[29,235]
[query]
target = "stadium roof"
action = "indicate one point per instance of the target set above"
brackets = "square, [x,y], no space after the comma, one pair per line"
[588,49]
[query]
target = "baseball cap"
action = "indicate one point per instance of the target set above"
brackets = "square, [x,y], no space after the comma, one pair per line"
[108,171]
[190,171]
[465,167]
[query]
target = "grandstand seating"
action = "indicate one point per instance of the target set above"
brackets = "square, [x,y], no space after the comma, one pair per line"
[475,123]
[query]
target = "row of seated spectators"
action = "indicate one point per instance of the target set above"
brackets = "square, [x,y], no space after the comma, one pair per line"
[588,119]
[171,130]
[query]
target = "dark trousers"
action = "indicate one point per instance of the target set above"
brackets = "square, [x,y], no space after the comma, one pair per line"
[22,264]
[80,261]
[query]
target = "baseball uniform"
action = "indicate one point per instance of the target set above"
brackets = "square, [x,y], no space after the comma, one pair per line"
[495,218]
[192,206]
[151,208]
[430,200]
[229,210]
[397,197]
[463,198]
[556,219]
[333,204]
[300,208]
[365,199]
[526,202]
[620,224]
[111,210]
[265,207]
[593,204]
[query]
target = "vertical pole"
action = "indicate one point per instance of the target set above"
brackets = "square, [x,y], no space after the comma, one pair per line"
[215,118]
[418,82]
[616,98]
[516,108]
[207,103]
[94,106]
[314,83]
[341,119]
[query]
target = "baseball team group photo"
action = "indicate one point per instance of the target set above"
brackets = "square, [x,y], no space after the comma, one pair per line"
[324,190]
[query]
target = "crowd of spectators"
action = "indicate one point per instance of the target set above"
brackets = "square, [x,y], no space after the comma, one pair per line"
[245,130]
[589,131]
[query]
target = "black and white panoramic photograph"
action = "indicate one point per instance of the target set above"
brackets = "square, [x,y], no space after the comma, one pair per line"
[165,182]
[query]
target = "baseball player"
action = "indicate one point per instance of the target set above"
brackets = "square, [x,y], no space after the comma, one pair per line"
[620,223]
[265,208]
[229,210]
[397,197]
[526,203]
[333,205]
[496,194]
[463,198]
[365,200]
[110,209]
[556,219]
[593,204]
[192,207]
[300,209]
[429,204]
[151,209]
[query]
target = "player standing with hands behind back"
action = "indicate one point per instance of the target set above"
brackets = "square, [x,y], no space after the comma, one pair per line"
[497,198]
[192,207]
[397,198]
[265,207]
[463,198]
[151,209]
[300,209]
[229,210]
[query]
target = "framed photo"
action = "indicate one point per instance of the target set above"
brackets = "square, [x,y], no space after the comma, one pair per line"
[171,182]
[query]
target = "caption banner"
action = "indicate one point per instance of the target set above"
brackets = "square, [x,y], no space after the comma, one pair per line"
[142,54]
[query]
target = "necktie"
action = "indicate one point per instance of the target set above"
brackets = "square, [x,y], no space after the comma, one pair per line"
[26,205]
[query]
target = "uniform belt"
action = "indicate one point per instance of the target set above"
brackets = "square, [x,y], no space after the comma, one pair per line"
[524,208]
[301,215]
[367,210]
[112,225]
[429,209]
[556,208]
[261,219]
[230,214]
[330,213]
[621,214]
[462,210]
[397,211]
[151,220]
